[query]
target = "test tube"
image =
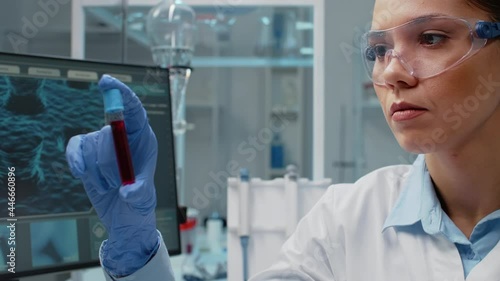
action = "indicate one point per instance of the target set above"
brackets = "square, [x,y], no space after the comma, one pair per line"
[113,108]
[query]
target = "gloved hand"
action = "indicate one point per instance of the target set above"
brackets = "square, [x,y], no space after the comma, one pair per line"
[128,212]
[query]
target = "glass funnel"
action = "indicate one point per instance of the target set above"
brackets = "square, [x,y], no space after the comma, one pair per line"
[170,27]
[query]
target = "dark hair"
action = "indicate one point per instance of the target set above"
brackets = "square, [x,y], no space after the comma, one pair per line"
[492,7]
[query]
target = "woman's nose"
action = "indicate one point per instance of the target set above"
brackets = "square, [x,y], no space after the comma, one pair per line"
[397,72]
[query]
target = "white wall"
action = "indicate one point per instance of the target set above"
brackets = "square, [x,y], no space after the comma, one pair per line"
[345,21]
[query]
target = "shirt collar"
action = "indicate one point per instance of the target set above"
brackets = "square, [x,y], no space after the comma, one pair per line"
[417,201]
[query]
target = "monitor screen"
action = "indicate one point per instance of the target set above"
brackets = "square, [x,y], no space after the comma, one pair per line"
[47,224]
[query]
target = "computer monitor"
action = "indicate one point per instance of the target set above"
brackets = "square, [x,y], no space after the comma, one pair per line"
[43,103]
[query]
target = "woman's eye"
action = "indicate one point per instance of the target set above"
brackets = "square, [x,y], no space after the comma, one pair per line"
[376,52]
[432,39]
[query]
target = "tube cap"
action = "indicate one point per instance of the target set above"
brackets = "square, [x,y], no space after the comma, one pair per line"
[244,174]
[113,101]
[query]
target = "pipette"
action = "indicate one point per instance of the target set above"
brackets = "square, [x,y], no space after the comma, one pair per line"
[244,223]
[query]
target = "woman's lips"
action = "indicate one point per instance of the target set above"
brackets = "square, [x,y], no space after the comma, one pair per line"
[404,111]
[405,115]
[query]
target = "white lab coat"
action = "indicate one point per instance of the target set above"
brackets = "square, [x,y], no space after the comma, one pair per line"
[341,239]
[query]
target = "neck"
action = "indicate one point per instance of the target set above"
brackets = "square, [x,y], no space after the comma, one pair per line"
[467,181]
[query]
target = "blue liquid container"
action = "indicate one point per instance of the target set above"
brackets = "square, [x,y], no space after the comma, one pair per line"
[277,153]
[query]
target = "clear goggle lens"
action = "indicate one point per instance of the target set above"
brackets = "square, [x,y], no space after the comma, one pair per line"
[424,47]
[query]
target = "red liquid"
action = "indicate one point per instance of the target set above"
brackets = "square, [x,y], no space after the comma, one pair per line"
[123,152]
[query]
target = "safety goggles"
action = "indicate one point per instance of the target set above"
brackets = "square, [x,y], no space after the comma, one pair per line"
[425,47]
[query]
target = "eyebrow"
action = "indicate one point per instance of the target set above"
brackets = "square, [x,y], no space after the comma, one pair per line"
[421,18]
[427,16]
[376,34]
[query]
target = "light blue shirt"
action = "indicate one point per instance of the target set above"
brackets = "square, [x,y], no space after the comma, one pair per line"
[418,203]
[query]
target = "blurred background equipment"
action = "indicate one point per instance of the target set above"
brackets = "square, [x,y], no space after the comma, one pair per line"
[262,214]
[170,26]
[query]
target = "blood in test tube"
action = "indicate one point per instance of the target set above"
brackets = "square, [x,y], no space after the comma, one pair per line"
[113,107]
[122,152]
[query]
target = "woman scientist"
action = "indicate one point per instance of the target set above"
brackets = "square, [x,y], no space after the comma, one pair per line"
[435,66]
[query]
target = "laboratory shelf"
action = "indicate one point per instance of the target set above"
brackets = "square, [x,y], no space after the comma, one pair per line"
[109,18]
[252,62]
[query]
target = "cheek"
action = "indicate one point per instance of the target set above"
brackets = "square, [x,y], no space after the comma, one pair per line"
[460,109]
[472,86]
[472,90]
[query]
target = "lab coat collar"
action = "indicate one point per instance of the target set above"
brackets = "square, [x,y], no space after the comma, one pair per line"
[417,201]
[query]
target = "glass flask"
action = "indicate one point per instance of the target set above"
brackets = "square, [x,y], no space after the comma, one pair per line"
[171,26]
[290,40]
[264,46]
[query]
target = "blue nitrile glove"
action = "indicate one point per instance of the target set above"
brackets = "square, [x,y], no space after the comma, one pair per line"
[128,212]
